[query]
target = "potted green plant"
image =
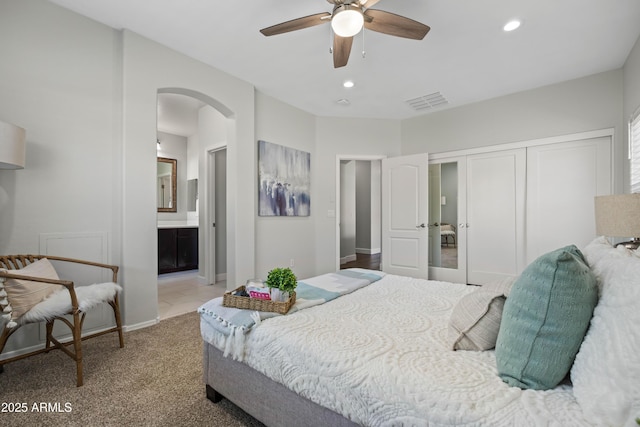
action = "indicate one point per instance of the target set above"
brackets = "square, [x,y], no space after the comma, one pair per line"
[282,281]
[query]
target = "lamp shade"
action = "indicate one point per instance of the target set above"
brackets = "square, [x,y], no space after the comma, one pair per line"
[12,146]
[618,215]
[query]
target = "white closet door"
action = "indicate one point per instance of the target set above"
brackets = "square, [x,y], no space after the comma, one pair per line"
[495,215]
[562,181]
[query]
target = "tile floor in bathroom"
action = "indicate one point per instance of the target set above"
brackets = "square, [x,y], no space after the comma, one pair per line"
[181,293]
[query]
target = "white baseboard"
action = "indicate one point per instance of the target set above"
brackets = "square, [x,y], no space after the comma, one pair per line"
[222,277]
[368,251]
[21,351]
[348,258]
[141,325]
[61,338]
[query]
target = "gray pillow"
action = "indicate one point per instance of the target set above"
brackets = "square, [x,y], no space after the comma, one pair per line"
[475,320]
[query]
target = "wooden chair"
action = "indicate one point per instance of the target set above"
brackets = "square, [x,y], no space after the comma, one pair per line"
[68,300]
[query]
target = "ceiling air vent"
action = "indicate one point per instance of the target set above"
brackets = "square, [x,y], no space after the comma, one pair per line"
[427,102]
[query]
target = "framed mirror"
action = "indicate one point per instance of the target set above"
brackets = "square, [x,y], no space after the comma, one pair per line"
[167,184]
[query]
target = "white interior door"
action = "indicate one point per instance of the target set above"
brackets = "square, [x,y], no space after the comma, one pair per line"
[405,212]
[496,184]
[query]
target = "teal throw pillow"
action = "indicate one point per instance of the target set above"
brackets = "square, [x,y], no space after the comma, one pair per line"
[545,319]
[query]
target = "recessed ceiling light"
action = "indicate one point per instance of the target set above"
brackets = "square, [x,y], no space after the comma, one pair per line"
[512,25]
[348,83]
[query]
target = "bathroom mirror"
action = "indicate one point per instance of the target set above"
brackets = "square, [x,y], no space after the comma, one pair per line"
[167,184]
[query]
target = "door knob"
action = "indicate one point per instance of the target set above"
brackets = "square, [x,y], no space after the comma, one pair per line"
[421,225]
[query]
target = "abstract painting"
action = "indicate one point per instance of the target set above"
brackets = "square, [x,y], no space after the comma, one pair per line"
[284,176]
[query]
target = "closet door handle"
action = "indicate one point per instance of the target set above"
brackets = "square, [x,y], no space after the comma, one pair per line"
[421,225]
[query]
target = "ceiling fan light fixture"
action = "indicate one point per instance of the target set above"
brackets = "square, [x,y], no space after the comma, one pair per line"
[347,21]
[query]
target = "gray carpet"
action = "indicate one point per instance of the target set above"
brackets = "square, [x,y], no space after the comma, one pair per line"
[155,380]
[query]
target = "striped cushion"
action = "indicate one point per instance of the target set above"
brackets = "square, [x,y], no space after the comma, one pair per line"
[21,294]
[475,319]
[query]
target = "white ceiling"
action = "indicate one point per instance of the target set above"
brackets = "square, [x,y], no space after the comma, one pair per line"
[466,56]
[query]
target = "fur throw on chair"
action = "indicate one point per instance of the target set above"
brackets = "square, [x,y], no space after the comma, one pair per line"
[59,302]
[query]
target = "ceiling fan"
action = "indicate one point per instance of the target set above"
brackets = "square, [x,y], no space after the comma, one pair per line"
[347,19]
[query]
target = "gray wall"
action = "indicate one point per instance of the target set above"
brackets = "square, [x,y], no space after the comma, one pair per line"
[48,86]
[282,239]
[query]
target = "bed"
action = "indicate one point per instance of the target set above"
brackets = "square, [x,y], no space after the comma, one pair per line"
[383,354]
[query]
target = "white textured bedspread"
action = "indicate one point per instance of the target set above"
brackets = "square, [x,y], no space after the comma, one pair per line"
[380,357]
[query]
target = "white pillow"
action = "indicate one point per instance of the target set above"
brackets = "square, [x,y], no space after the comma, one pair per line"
[606,370]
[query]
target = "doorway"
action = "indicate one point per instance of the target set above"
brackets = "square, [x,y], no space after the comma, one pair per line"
[358,212]
[185,127]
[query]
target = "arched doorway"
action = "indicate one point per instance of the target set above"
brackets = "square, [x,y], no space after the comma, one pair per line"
[192,129]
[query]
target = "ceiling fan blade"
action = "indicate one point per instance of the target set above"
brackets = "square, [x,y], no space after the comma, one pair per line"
[297,24]
[341,50]
[395,25]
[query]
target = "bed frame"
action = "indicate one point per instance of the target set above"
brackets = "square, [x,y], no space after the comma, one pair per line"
[266,400]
